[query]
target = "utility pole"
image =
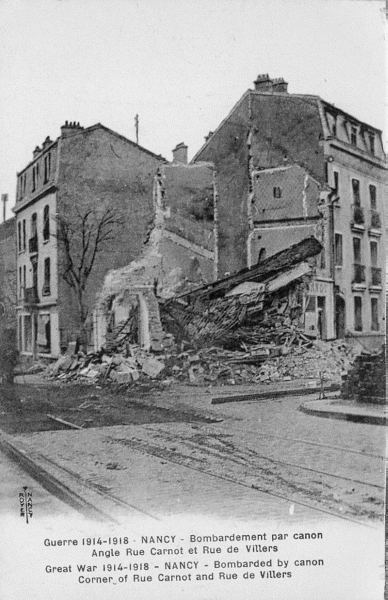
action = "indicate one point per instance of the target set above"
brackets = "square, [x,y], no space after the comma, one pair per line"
[137,128]
[4,199]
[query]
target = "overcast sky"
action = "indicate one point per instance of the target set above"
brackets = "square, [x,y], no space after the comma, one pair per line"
[180,64]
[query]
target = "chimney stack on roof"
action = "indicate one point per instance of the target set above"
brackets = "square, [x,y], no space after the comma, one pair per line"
[179,154]
[264,83]
[46,143]
[36,151]
[70,127]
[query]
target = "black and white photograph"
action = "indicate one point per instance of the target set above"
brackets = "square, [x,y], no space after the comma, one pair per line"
[192,299]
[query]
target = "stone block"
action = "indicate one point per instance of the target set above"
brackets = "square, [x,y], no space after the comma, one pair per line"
[152,367]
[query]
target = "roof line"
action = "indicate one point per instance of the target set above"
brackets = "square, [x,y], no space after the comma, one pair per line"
[125,139]
[37,157]
[219,126]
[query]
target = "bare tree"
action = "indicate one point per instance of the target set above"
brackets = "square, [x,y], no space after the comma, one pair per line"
[84,234]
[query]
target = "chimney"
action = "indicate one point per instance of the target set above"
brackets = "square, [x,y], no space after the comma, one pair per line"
[70,127]
[179,154]
[36,152]
[279,85]
[264,83]
[46,143]
[208,136]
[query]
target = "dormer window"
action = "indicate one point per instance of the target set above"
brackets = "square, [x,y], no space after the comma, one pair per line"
[372,143]
[47,167]
[353,135]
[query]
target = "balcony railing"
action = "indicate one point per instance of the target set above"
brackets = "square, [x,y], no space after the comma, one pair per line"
[376,276]
[33,244]
[358,215]
[358,273]
[30,296]
[375,219]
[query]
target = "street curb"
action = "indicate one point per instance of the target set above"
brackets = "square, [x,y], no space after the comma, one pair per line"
[304,391]
[343,415]
[91,503]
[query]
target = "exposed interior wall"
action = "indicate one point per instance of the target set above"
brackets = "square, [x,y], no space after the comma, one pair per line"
[262,131]
[168,263]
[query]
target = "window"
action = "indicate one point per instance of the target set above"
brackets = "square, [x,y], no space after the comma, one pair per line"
[24,234]
[357,250]
[373,254]
[334,129]
[33,179]
[353,135]
[34,230]
[20,282]
[374,307]
[262,255]
[24,275]
[19,236]
[336,176]
[277,192]
[358,313]
[372,143]
[46,284]
[44,334]
[47,167]
[338,257]
[310,304]
[356,192]
[372,197]
[46,223]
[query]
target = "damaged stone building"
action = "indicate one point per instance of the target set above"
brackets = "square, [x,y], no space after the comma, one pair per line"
[178,255]
[74,181]
[286,206]
[270,129]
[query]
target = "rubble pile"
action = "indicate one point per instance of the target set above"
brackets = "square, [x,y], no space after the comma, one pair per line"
[261,363]
[316,360]
[102,367]
[365,381]
[254,318]
[264,363]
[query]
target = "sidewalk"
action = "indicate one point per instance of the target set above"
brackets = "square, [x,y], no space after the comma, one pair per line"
[347,410]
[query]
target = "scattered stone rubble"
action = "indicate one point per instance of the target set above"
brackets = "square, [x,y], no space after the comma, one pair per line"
[103,367]
[264,363]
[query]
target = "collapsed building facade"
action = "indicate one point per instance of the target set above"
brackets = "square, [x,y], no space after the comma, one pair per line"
[178,255]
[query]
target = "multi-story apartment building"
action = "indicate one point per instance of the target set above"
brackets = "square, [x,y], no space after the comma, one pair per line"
[270,128]
[82,170]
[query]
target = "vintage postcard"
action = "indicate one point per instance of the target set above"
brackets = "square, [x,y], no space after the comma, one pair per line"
[192,299]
